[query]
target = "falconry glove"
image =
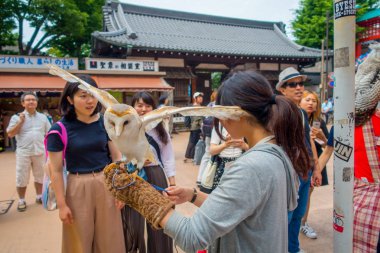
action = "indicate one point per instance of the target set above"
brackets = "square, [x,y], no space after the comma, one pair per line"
[137,194]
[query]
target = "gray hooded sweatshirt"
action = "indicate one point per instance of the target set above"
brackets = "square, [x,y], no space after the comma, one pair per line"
[247,212]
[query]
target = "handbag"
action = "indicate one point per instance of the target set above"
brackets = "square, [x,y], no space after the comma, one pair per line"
[208,176]
[49,201]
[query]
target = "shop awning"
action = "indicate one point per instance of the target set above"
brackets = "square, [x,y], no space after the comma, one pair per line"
[18,82]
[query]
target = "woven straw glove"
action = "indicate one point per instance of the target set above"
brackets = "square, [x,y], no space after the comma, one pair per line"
[367,86]
[137,193]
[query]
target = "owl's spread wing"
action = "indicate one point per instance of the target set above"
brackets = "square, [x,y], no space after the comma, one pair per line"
[104,97]
[151,119]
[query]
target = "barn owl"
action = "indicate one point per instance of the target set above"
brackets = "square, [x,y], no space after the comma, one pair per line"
[127,129]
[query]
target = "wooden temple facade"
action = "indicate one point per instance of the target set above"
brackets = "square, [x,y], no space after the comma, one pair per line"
[189,46]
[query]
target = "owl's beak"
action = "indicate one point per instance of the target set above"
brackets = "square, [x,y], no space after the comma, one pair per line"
[118,130]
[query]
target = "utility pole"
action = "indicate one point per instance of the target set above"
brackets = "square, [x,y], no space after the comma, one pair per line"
[344,123]
[327,53]
[323,80]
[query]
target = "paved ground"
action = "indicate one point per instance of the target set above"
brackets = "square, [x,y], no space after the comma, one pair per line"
[37,230]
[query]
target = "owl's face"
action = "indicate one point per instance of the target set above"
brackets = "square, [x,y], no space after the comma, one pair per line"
[121,119]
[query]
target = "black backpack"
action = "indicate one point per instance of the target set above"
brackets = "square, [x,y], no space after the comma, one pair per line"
[208,124]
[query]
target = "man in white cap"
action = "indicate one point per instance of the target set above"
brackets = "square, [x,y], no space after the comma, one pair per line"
[291,85]
[195,124]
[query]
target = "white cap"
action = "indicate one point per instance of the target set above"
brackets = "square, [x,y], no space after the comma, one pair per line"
[197,94]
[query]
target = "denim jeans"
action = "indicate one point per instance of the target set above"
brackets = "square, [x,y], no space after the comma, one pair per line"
[295,216]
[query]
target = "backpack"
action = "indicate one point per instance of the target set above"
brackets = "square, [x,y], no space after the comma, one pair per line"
[49,201]
[208,124]
[187,121]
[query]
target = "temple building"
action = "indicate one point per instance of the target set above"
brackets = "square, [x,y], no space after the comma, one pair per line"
[189,47]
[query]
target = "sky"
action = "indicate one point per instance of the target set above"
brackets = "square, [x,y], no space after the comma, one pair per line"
[262,10]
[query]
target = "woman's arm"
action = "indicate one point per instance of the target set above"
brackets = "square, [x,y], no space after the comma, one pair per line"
[325,156]
[317,176]
[56,175]
[168,160]
[216,149]
[115,153]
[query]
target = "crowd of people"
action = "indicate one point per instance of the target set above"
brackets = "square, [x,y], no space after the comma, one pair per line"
[254,167]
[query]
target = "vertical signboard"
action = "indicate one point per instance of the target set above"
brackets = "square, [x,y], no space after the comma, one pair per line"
[344,123]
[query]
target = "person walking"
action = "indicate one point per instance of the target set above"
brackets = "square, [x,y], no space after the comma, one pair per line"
[311,105]
[90,215]
[247,211]
[207,126]
[291,85]
[29,127]
[327,109]
[158,174]
[195,124]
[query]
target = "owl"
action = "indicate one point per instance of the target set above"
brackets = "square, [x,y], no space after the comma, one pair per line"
[127,129]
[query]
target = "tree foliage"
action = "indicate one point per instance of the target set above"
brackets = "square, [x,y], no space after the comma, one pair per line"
[309,26]
[66,25]
[7,38]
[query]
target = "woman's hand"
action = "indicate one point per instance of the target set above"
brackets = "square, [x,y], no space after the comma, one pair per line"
[65,215]
[178,194]
[317,133]
[119,204]
[238,143]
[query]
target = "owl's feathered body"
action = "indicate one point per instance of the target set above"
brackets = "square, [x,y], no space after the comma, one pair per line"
[127,129]
[124,127]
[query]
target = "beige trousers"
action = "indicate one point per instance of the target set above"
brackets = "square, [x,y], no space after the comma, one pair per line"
[97,224]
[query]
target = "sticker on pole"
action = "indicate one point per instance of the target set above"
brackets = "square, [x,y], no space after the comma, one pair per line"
[344,8]
[342,151]
[338,222]
[341,57]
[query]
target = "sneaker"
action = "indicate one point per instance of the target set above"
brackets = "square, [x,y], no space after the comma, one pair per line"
[21,207]
[39,201]
[309,231]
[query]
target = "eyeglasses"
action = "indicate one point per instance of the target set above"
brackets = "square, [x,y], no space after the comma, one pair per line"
[293,84]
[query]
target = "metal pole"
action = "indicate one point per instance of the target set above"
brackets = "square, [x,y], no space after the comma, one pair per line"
[327,53]
[323,87]
[344,123]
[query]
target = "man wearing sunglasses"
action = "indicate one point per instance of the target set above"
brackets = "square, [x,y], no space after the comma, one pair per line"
[291,85]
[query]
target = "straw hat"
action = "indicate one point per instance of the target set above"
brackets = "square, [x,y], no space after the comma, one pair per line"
[288,74]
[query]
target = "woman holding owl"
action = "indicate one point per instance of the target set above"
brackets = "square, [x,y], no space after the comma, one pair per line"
[158,174]
[90,216]
[254,194]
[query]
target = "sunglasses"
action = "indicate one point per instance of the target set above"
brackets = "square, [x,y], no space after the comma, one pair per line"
[293,84]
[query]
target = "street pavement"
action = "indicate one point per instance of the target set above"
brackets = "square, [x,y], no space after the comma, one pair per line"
[37,230]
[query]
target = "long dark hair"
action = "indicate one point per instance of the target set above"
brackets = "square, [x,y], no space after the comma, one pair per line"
[68,110]
[147,98]
[252,92]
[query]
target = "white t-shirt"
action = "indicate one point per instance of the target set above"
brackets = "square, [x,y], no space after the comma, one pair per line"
[229,152]
[30,138]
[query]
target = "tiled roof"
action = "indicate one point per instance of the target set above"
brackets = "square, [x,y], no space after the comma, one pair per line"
[157,29]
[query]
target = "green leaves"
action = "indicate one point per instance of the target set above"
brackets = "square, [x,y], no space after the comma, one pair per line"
[309,26]
[66,25]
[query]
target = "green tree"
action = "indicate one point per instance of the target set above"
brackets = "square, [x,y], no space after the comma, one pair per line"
[216,80]
[7,38]
[66,25]
[309,26]
[78,42]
